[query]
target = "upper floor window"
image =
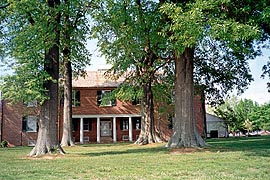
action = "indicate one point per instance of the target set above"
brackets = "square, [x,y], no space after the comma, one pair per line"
[32,103]
[136,101]
[29,124]
[76,98]
[104,102]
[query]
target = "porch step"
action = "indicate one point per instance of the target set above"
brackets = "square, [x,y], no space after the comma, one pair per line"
[106,139]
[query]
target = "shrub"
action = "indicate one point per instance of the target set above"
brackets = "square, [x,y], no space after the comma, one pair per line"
[4,144]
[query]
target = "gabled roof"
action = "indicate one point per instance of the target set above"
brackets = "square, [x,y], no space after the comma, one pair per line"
[96,79]
[213,118]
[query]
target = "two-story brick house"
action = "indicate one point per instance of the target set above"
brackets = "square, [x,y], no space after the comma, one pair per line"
[92,121]
[95,122]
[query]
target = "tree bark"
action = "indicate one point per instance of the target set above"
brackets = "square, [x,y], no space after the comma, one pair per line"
[67,112]
[185,133]
[47,141]
[148,132]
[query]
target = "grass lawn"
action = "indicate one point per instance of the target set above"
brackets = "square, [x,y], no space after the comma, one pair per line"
[233,158]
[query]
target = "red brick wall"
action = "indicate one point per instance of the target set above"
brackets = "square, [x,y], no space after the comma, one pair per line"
[88,104]
[12,124]
[199,114]
[12,118]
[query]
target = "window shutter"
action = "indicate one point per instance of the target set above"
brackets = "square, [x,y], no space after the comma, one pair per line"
[24,124]
[121,124]
[99,94]
[78,98]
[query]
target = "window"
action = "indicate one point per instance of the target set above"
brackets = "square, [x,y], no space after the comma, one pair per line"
[136,123]
[87,124]
[32,103]
[136,101]
[75,98]
[29,124]
[75,124]
[124,124]
[106,102]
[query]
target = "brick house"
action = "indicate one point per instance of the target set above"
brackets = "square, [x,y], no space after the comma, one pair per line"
[92,122]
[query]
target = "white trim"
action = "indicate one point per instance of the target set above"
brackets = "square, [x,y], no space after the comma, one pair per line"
[125,137]
[81,130]
[130,128]
[114,129]
[105,115]
[86,139]
[98,129]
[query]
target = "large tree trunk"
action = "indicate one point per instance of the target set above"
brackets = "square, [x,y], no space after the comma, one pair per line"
[67,113]
[47,141]
[148,132]
[185,133]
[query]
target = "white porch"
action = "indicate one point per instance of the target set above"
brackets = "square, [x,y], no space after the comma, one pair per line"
[106,126]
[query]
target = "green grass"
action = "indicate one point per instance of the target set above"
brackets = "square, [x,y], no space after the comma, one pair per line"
[233,158]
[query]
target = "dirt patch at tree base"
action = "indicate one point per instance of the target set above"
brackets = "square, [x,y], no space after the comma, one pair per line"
[46,156]
[186,150]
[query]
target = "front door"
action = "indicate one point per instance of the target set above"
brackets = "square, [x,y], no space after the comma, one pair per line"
[105,128]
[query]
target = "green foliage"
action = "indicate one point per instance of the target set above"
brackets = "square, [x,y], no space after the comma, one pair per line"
[220,69]
[261,117]
[244,115]
[222,44]
[128,36]
[27,36]
[4,144]
[26,40]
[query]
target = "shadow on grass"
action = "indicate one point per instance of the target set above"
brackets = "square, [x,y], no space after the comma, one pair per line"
[128,150]
[251,146]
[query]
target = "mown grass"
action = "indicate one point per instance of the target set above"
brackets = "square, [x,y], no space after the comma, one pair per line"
[233,158]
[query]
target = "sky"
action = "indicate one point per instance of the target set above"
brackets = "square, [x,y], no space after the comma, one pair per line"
[257,90]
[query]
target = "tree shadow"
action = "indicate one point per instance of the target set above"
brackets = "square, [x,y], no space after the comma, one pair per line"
[251,146]
[136,149]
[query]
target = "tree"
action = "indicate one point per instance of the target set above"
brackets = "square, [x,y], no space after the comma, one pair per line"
[75,30]
[47,140]
[260,117]
[237,114]
[188,23]
[37,58]
[33,44]
[128,36]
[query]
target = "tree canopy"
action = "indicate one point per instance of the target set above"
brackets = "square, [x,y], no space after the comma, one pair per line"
[244,115]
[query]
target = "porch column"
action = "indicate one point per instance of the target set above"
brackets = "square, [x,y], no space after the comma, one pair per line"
[130,128]
[81,130]
[114,129]
[98,130]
